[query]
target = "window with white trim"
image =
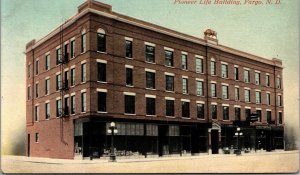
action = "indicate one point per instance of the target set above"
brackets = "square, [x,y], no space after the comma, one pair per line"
[258,97]
[150,106]
[279,100]
[101,72]
[224,91]
[169,58]
[246,76]
[73,104]
[47,62]
[237,93]
[213,90]
[83,102]
[225,113]
[184,85]
[213,70]
[101,40]
[257,78]
[72,49]
[184,62]
[128,48]
[268,80]
[199,88]
[169,107]
[199,65]
[224,69]
[58,108]
[37,113]
[102,101]
[36,67]
[129,104]
[47,86]
[47,110]
[83,41]
[169,83]
[150,53]
[185,109]
[200,111]
[83,72]
[247,95]
[268,98]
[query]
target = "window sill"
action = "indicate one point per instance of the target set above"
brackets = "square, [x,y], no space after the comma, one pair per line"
[248,102]
[104,82]
[151,116]
[47,119]
[236,80]
[82,53]
[185,93]
[102,112]
[200,96]
[186,118]
[225,78]
[83,82]
[185,70]
[36,142]
[129,58]
[129,114]
[226,120]
[101,52]
[213,75]
[202,119]
[131,86]
[214,97]
[72,86]
[169,66]
[72,114]
[170,91]
[225,99]
[199,72]
[150,62]
[151,89]
[36,121]
[170,116]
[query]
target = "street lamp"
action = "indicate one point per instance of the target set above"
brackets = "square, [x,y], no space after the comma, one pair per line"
[238,134]
[112,130]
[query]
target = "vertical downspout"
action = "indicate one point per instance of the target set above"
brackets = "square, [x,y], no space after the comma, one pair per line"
[207,86]
[32,85]
[275,92]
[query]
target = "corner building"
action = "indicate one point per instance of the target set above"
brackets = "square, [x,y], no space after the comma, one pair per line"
[168,93]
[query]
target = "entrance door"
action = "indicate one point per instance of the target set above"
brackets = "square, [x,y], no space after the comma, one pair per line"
[215,141]
[28,145]
[163,145]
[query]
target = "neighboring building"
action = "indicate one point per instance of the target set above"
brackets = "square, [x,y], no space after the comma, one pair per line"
[168,92]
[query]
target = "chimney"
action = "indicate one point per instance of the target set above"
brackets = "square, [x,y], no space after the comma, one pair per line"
[92,4]
[210,36]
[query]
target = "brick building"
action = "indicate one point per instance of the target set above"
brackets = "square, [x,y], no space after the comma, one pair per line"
[167,92]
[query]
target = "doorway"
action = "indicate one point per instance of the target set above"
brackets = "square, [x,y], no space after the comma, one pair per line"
[163,144]
[28,145]
[214,141]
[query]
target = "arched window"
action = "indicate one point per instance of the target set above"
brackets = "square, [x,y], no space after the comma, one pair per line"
[101,40]
[83,41]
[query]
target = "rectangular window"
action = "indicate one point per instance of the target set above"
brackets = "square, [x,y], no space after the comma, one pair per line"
[58,56]
[225,113]
[280,118]
[129,77]
[213,90]
[185,109]
[246,76]
[83,72]
[184,62]
[224,69]
[150,106]
[267,80]
[150,54]
[28,93]
[237,93]
[73,77]
[28,70]
[83,102]
[247,113]
[36,137]
[47,62]
[214,111]
[200,111]
[225,92]
[73,104]
[279,100]
[47,111]
[268,98]
[169,58]
[237,112]
[247,95]
[213,68]
[257,78]
[184,85]
[258,97]
[66,81]
[269,116]
[236,73]
[258,113]
[278,83]
[150,80]
[66,53]
[72,48]
[58,108]
[128,48]
[199,88]
[83,42]
[101,72]
[37,113]
[36,90]
[47,86]
[66,107]
[102,101]
[58,82]
[129,104]
[199,65]
[101,42]
[170,108]
[36,67]
[169,83]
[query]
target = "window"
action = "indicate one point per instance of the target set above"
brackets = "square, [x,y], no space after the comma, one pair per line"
[169,58]
[101,40]
[184,85]
[224,69]
[28,93]
[73,77]
[129,77]
[257,78]
[72,48]
[213,90]
[28,69]
[47,86]
[225,113]
[73,104]
[236,73]
[184,62]
[199,65]
[169,107]
[267,80]
[36,67]
[129,104]
[280,118]
[150,80]
[128,48]
[36,90]
[37,113]
[279,100]
[66,81]
[213,68]
[247,113]
[269,116]
[150,53]
[185,109]
[83,41]
[58,56]
[169,83]
[58,82]
[66,52]
[214,111]
[66,109]
[258,113]
[36,137]
[102,101]
[247,95]
[199,88]
[268,98]
[47,111]
[258,97]
[237,93]
[278,83]
[237,112]
[150,106]
[58,108]
[246,76]
[225,92]
[83,102]
[47,62]
[200,111]
[101,72]
[83,72]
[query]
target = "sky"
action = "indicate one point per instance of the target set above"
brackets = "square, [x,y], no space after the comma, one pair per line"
[270,31]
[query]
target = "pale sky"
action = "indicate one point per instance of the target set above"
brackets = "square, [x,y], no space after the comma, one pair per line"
[267,30]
